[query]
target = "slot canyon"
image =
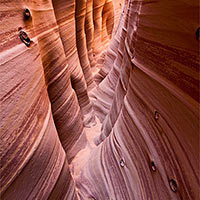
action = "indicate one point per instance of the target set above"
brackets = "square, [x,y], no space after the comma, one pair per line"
[99,100]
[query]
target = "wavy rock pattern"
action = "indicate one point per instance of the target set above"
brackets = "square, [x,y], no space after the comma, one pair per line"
[112,49]
[89,32]
[145,94]
[33,161]
[80,17]
[65,108]
[148,102]
[65,12]
[44,97]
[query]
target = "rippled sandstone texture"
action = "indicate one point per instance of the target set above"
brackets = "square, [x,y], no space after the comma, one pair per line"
[148,102]
[146,96]
[33,162]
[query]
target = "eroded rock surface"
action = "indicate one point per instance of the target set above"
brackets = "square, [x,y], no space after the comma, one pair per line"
[99,100]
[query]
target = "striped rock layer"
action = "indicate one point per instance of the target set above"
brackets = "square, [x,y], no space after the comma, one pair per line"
[146,95]
[46,56]
[147,100]
[34,164]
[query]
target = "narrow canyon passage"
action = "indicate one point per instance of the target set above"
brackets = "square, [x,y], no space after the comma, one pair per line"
[83,156]
[99,99]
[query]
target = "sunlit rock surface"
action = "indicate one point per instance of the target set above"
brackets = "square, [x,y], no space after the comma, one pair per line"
[100,100]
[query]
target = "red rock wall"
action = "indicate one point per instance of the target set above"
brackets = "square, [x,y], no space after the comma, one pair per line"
[65,16]
[33,161]
[65,107]
[148,103]
[44,95]
[146,95]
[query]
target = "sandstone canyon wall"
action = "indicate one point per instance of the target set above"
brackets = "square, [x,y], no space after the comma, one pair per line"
[134,65]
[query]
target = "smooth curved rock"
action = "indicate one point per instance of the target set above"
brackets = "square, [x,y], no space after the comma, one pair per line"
[89,32]
[146,97]
[65,108]
[80,16]
[112,49]
[103,95]
[65,16]
[149,141]
[33,161]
